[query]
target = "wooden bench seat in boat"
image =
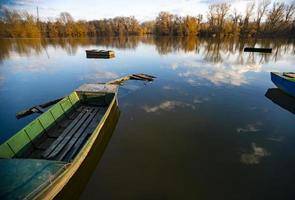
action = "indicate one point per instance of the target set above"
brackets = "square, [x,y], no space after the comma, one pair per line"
[69,140]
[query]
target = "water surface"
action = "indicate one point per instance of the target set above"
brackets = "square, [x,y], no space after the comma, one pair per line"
[204,129]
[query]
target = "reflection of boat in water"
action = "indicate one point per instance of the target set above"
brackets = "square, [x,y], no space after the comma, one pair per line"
[100,53]
[280,98]
[284,81]
[53,155]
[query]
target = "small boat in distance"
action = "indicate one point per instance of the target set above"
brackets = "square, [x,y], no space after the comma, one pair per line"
[94,53]
[284,81]
[48,158]
[261,50]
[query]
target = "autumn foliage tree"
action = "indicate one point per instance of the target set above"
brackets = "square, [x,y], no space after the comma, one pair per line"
[263,19]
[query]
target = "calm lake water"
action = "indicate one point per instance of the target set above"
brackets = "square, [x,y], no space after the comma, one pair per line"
[203,130]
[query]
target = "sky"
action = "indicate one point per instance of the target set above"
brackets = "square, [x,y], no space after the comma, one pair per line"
[143,10]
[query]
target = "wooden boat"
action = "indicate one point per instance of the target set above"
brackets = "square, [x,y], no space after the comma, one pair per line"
[48,151]
[94,53]
[49,157]
[261,50]
[284,81]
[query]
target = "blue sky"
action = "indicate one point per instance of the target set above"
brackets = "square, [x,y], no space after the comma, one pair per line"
[98,9]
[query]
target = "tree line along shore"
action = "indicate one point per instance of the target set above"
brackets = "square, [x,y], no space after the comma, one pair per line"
[265,19]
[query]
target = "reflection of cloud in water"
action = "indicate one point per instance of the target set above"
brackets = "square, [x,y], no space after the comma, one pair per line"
[167,87]
[31,67]
[99,76]
[254,156]
[219,73]
[249,128]
[199,100]
[1,80]
[276,139]
[167,106]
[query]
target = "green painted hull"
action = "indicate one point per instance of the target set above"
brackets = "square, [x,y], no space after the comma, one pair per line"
[46,179]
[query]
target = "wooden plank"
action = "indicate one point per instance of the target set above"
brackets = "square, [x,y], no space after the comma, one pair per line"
[64,133]
[76,136]
[289,74]
[36,109]
[68,136]
[86,133]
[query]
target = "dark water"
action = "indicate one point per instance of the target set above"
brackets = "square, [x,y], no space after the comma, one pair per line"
[203,130]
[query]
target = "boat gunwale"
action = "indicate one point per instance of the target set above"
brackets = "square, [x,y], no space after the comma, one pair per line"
[281,75]
[38,119]
[52,189]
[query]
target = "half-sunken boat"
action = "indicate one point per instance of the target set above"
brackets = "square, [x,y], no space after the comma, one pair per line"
[284,81]
[94,53]
[255,49]
[44,160]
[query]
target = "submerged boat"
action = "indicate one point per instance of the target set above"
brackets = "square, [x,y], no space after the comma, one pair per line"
[255,49]
[51,156]
[94,53]
[43,156]
[284,81]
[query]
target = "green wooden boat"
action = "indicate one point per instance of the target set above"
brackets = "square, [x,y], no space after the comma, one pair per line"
[42,159]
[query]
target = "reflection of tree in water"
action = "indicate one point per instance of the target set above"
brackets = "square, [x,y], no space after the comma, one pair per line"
[213,49]
[166,44]
[5,48]
[217,51]
[118,42]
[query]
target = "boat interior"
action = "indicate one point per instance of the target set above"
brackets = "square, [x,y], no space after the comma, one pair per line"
[63,139]
[289,74]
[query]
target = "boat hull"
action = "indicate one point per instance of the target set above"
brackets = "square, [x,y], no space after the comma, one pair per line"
[72,181]
[283,83]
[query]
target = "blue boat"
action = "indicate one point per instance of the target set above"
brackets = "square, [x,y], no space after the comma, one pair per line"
[284,81]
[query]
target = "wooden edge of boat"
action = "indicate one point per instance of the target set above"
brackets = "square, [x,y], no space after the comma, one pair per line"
[50,191]
[289,76]
[284,83]
[50,188]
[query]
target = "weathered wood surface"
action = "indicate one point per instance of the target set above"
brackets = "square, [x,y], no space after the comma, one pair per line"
[100,53]
[289,74]
[36,109]
[86,134]
[69,135]
[77,135]
[64,133]
[140,77]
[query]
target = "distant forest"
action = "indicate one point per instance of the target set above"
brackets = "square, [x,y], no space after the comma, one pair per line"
[261,20]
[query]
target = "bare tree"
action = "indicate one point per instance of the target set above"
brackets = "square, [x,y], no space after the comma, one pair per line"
[275,17]
[289,12]
[261,10]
